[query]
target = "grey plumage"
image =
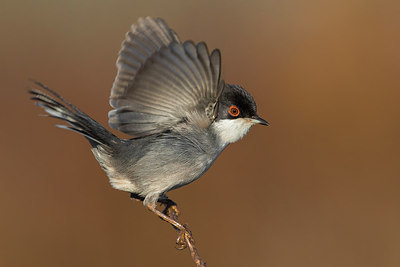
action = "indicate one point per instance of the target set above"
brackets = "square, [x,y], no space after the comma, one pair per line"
[145,165]
[169,97]
[161,81]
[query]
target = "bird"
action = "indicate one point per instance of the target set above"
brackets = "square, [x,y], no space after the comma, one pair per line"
[169,97]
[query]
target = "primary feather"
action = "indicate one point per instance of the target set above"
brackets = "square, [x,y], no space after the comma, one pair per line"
[161,81]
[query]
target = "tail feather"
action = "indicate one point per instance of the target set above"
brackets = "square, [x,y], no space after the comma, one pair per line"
[58,107]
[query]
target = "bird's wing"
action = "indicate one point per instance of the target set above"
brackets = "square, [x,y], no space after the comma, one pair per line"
[162,82]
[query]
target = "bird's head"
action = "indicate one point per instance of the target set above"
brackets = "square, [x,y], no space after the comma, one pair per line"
[237,112]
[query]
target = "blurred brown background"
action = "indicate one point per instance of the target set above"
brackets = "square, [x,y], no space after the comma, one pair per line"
[320,187]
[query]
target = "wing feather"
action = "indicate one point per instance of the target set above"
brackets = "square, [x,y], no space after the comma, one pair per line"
[161,82]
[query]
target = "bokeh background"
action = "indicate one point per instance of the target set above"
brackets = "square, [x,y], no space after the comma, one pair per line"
[320,187]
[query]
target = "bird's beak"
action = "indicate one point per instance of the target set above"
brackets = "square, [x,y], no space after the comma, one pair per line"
[259,120]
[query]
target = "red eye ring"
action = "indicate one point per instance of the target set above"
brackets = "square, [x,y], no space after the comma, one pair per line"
[234,111]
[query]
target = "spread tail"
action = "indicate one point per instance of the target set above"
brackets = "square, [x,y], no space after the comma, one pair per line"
[57,107]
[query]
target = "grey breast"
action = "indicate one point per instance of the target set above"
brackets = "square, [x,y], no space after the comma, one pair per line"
[163,162]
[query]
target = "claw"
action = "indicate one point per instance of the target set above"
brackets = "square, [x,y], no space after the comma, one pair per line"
[188,234]
[185,239]
[180,241]
[175,210]
[171,211]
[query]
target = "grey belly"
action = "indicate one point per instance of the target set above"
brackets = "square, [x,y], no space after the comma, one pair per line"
[155,165]
[164,171]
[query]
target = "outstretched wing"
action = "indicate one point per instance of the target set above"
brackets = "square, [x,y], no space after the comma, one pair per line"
[161,81]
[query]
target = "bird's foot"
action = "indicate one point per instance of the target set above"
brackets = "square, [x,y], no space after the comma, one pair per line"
[180,241]
[171,210]
[184,237]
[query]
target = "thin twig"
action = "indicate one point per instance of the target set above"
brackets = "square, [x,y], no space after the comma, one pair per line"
[193,252]
[185,239]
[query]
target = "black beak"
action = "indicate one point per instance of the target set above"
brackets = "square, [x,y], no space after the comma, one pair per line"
[260,121]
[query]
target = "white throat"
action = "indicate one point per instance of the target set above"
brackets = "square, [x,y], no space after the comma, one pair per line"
[230,131]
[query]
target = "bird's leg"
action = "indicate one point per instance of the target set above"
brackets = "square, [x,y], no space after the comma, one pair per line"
[185,238]
[171,210]
[168,203]
[170,214]
[174,223]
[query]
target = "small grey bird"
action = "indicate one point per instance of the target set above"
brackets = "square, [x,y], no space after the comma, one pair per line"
[169,96]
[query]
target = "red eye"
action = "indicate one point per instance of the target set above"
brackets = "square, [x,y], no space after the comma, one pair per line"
[234,111]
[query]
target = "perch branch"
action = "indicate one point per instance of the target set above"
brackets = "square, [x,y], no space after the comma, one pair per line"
[185,239]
